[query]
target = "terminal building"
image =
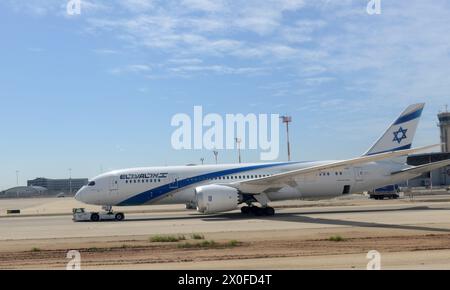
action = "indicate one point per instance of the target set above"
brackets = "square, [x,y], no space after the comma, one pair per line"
[67,186]
[41,187]
[24,191]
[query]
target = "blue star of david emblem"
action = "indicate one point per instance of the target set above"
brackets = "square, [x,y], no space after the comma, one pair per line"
[400,135]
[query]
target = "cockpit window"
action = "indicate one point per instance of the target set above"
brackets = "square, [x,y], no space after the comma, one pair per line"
[92,183]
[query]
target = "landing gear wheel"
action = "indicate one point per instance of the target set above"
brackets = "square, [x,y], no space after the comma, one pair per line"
[95,217]
[269,211]
[120,217]
[246,210]
[257,211]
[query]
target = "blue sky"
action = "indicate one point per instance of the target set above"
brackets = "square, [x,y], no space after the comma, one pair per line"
[98,90]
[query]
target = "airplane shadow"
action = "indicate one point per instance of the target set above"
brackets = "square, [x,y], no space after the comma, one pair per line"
[300,217]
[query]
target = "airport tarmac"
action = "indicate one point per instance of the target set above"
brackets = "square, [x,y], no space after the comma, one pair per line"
[410,234]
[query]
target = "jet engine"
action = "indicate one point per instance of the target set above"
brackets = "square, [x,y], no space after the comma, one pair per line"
[216,198]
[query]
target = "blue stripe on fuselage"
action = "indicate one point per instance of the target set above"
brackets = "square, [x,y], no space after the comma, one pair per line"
[145,197]
[409,117]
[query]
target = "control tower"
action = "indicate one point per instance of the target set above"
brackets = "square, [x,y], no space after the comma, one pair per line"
[444,124]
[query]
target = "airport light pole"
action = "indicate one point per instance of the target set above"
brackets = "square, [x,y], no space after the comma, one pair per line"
[431,178]
[238,142]
[70,181]
[202,160]
[287,120]
[17,177]
[216,153]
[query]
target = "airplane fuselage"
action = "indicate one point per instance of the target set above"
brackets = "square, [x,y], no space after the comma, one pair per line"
[176,185]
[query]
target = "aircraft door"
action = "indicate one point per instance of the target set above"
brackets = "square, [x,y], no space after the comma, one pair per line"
[114,185]
[359,174]
[174,182]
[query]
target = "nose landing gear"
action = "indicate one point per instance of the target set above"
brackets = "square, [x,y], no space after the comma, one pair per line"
[107,208]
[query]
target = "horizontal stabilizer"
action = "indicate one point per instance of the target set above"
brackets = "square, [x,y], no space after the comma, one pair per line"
[419,170]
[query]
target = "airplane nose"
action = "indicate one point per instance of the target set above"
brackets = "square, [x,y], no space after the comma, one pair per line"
[79,196]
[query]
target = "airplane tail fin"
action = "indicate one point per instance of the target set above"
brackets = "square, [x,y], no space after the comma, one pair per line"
[400,135]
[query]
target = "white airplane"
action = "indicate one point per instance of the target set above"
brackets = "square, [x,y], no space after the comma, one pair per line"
[221,188]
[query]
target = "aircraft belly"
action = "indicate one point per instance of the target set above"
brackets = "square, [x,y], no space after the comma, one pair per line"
[285,193]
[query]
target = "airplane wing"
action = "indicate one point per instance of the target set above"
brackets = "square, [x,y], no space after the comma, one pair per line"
[277,181]
[419,170]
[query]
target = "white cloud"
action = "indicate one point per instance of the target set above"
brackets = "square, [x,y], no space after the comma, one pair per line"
[217,69]
[318,81]
[171,26]
[403,53]
[204,5]
[106,51]
[137,5]
[188,61]
[47,8]
[134,68]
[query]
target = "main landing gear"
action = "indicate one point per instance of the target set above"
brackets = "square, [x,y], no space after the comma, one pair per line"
[258,211]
